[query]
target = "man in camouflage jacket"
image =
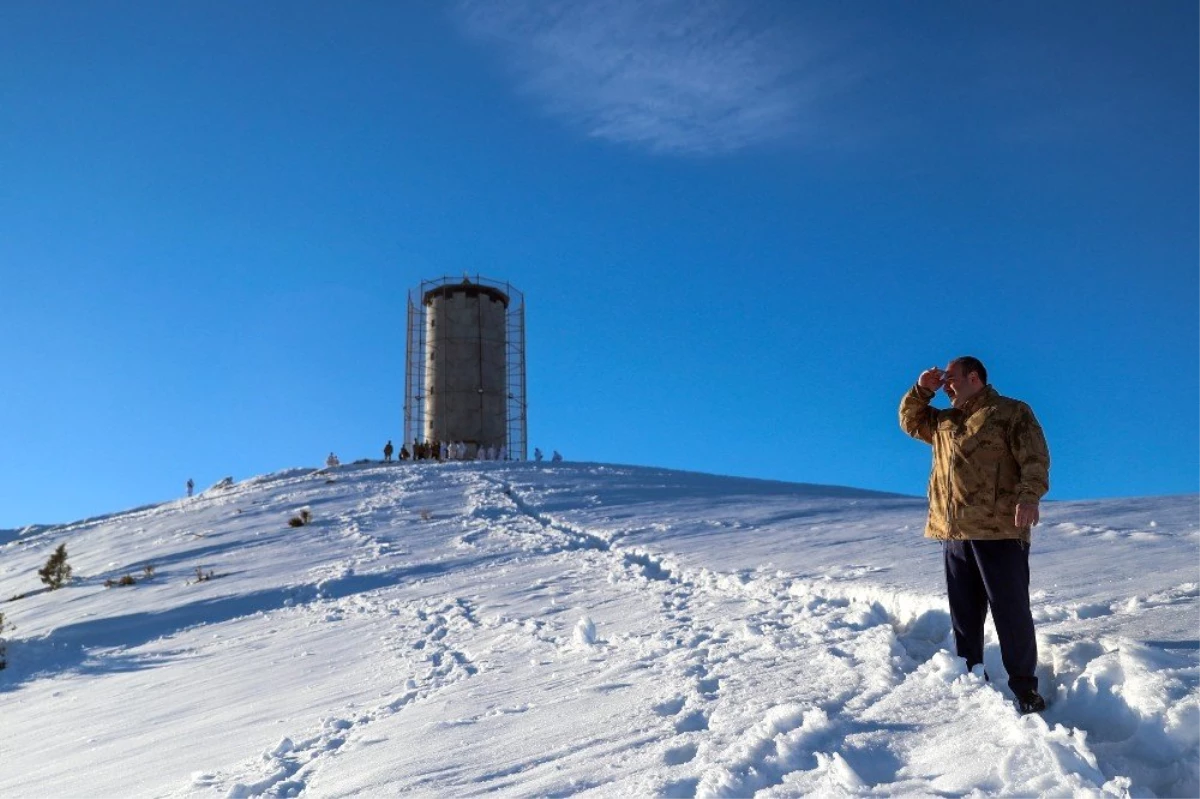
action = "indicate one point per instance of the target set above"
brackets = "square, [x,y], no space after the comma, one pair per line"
[991,467]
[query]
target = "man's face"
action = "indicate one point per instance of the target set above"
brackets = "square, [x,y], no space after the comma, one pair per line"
[958,386]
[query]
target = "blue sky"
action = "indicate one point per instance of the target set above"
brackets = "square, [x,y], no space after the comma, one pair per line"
[742,230]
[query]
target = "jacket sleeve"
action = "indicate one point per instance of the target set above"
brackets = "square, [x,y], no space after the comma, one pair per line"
[1029,448]
[916,417]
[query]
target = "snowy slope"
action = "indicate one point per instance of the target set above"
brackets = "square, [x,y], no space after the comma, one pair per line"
[461,629]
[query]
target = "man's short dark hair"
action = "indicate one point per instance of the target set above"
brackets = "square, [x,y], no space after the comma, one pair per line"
[970,364]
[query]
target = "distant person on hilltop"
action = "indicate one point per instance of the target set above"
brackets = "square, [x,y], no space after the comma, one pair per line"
[190,486]
[537,454]
[387,452]
[332,461]
[991,468]
[404,453]
[556,457]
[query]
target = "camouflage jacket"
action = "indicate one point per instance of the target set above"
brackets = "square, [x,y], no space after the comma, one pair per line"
[987,456]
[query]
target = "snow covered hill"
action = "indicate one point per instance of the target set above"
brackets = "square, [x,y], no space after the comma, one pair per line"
[584,629]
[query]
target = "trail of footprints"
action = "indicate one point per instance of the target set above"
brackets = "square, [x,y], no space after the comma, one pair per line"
[284,771]
[695,656]
[754,758]
[693,653]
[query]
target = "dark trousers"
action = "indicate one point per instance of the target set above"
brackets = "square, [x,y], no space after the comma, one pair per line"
[995,574]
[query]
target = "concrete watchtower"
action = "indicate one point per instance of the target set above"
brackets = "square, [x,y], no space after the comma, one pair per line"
[465,375]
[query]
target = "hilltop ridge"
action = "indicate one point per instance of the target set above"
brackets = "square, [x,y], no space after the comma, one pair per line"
[574,628]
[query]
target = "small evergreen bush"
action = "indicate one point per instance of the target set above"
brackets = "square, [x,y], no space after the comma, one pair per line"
[56,572]
[203,576]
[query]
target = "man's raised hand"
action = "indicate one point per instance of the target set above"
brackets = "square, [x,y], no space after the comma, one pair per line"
[931,378]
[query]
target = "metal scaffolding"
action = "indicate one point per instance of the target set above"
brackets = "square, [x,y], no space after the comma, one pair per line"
[421,349]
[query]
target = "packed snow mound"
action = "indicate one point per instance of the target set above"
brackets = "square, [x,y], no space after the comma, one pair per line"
[560,629]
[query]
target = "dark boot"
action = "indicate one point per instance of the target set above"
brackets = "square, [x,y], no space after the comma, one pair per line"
[1030,702]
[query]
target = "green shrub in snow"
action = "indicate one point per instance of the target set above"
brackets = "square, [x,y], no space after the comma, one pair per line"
[56,572]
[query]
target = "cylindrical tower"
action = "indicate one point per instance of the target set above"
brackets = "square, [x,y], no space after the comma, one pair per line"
[466,366]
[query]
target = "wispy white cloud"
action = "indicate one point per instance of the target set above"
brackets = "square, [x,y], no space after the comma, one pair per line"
[678,76]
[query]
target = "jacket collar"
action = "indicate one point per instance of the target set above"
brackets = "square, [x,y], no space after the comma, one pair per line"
[984,397]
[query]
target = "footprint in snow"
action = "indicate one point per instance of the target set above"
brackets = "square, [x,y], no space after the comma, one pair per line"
[678,755]
[669,707]
[695,721]
[1092,610]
